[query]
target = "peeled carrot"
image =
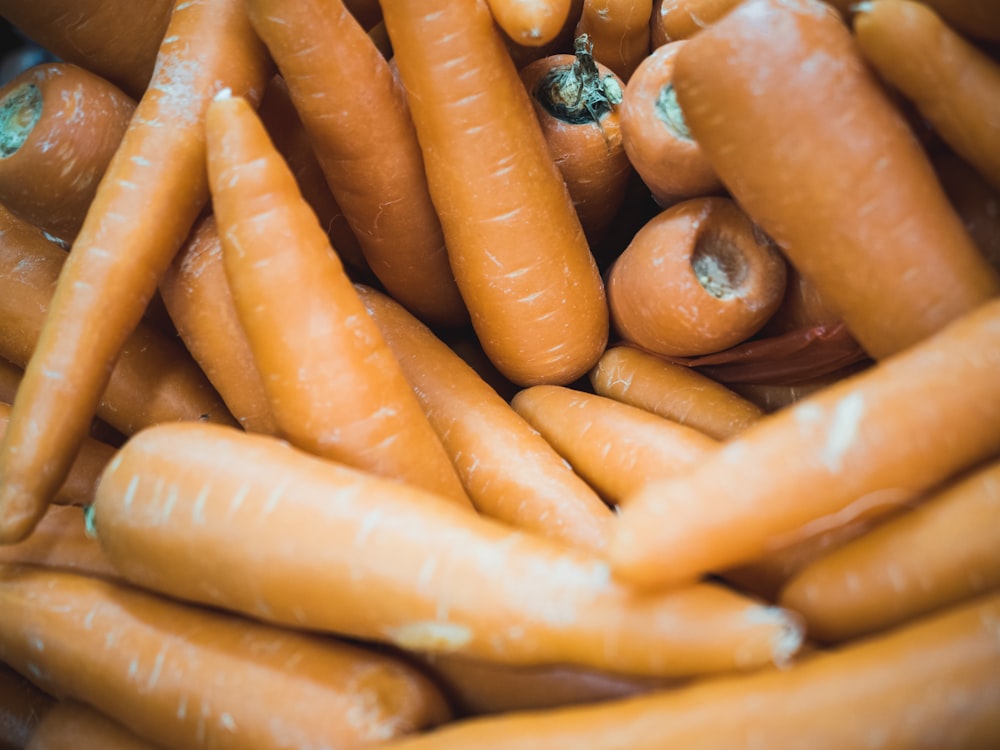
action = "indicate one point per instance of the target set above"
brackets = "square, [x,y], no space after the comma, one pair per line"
[508,470]
[342,551]
[331,381]
[70,725]
[869,439]
[674,20]
[59,127]
[868,185]
[530,22]
[184,677]
[61,540]
[617,448]
[516,246]
[22,706]
[954,85]
[620,32]
[157,174]
[930,684]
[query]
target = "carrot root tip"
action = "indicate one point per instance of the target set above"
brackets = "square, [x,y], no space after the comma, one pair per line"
[20,111]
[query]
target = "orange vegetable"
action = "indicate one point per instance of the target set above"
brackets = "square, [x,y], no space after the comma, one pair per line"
[22,706]
[620,31]
[530,22]
[976,18]
[673,20]
[60,540]
[70,725]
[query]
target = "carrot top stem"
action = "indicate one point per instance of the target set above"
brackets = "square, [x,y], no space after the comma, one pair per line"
[576,93]
[19,112]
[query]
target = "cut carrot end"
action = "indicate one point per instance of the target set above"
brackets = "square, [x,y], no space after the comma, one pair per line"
[20,111]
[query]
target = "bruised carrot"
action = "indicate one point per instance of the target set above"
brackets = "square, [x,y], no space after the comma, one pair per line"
[869,439]
[59,127]
[953,85]
[576,101]
[61,540]
[22,706]
[674,20]
[356,115]
[620,32]
[157,174]
[530,22]
[516,246]
[331,381]
[185,677]
[868,185]
[930,684]
[509,471]
[70,725]
[347,552]
[617,448]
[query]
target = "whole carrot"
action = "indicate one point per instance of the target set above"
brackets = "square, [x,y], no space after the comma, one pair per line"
[22,706]
[847,175]
[530,22]
[674,20]
[70,725]
[61,540]
[516,246]
[868,439]
[60,127]
[620,31]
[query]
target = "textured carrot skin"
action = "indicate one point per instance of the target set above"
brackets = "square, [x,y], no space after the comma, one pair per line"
[22,706]
[508,470]
[60,540]
[516,246]
[885,434]
[931,684]
[620,30]
[979,19]
[846,176]
[184,677]
[70,725]
[342,551]
[78,122]
[673,20]
[531,22]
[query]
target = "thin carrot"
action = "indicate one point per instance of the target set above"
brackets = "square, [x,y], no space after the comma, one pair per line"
[61,540]
[342,551]
[516,246]
[620,31]
[70,725]
[331,381]
[509,471]
[22,706]
[157,175]
[828,209]
[674,20]
[530,22]
[59,127]
[872,438]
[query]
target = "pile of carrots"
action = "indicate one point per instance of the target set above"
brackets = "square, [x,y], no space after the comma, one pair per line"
[501,374]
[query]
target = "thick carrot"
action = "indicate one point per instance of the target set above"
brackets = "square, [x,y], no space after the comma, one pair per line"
[846,177]
[70,725]
[674,20]
[617,448]
[516,246]
[932,684]
[59,127]
[355,112]
[61,540]
[871,438]
[157,174]
[183,677]
[620,31]
[979,19]
[954,85]
[22,706]
[530,22]
[508,470]
[331,381]
[347,552]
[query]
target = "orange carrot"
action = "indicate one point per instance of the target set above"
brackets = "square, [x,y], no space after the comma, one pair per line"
[530,22]
[61,540]
[70,725]
[674,20]
[157,174]
[331,381]
[507,469]
[870,439]
[355,113]
[59,127]
[515,243]
[830,207]
[524,54]
[617,448]
[975,18]
[184,677]
[22,706]
[801,307]
[620,31]
[342,551]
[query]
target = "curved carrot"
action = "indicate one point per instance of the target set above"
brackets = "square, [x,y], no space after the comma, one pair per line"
[22,706]
[355,113]
[674,20]
[576,101]
[61,540]
[620,32]
[953,85]
[184,677]
[70,725]
[870,438]
[530,22]
[342,551]
[816,193]
[508,470]
[516,246]
[617,448]
[157,174]
[59,127]
[331,381]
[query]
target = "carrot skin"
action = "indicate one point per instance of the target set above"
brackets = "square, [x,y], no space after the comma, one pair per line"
[620,30]
[70,725]
[674,20]
[533,23]
[61,540]
[979,19]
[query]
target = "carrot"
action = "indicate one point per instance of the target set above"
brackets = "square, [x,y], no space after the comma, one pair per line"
[61,540]
[953,85]
[337,550]
[673,20]
[22,706]
[355,113]
[157,174]
[530,22]
[830,210]
[617,448]
[59,128]
[516,246]
[524,54]
[184,677]
[673,391]
[620,31]
[976,201]
[975,18]
[70,725]
[508,470]
[801,307]
[696,279]
[331,381]
[870,439]
[656,137]
[931,684]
